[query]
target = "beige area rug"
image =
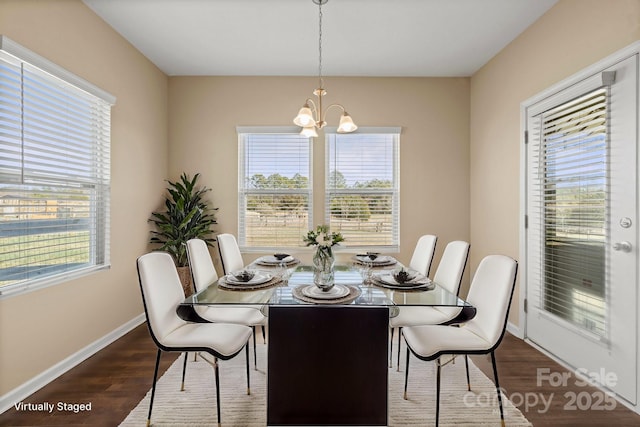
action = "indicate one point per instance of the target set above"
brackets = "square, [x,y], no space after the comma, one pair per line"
[196,406]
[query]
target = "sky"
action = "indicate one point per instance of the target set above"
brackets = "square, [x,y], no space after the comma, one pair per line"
[359,157]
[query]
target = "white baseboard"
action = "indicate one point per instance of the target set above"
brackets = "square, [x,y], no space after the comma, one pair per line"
[515,330]
[36,383]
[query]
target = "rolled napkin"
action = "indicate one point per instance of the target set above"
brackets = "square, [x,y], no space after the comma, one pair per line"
[243,275]
[403,276]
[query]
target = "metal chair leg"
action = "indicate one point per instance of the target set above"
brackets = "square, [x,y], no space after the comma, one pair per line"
[406,375]
[184,371]
[391,348]
[216,375]
[264,336]
[255,351]
[399,341]
[495,376]
[153,386]
[437,391]
[466,365]
[248,377]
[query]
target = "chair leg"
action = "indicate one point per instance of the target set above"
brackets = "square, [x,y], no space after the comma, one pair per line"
[216,375]
[391,348]
[248,378]
[264,335]
[399,341]
[466,365]
[153,386]
[406,374]
[255,351]
[184,371]
[437,391]
[495,376]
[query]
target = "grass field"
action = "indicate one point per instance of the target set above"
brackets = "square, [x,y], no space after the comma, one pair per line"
[41,250]
[275,230]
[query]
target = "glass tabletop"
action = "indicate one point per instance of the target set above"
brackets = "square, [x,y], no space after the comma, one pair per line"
[298,288]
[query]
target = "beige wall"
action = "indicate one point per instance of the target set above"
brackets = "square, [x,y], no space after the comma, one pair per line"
[41,328]
[569,37]
[434,154]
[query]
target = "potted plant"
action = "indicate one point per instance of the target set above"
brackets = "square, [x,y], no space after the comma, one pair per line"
[187,216]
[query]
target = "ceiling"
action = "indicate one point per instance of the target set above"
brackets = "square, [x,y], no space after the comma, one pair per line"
[280,37]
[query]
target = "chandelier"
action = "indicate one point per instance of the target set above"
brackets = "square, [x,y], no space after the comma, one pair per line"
[311,116]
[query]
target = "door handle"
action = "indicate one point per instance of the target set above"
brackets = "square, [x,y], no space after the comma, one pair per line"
[622,246]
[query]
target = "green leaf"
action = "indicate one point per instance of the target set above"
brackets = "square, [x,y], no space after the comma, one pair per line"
[187,216]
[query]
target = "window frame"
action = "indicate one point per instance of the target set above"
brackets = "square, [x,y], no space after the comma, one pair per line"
[59,79]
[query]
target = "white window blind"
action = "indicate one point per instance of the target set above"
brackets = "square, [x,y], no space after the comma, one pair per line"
[275,188]
[54,172]
[362,187]
[569,174]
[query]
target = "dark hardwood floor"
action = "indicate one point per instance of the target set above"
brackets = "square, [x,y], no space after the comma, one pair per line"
[117,378]
[521,366]
[113,380]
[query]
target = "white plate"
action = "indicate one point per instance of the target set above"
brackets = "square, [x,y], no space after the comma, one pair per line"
[380,260]
[426,287]
[389,280]
[258,279]
[270,259]
[338,291]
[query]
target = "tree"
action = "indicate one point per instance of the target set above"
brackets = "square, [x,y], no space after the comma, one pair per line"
[337,180]
[351,207]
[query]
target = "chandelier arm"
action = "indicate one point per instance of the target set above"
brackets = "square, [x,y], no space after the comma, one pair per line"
[334,105]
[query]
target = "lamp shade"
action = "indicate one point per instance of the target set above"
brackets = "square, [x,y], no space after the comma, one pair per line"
[346,124]
[309,131]
[304,117]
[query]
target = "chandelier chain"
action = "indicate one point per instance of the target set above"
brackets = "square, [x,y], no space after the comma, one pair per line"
[320,43]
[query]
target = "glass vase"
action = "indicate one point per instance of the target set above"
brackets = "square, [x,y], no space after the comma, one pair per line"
[323,268]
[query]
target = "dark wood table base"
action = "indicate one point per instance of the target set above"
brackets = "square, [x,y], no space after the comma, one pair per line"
[327,366]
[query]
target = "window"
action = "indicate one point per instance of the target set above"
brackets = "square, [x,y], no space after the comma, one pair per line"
[362,187]
[572,181]
[275,187]
[54,172]
[580,184]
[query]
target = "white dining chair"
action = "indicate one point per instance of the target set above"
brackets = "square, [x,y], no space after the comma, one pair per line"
[161,294]
[490,293]
[230,254]
[423,254]
[421,261]
[204,274]
[449,276]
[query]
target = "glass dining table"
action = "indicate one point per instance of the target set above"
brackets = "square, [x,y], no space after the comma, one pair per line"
[327,356]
